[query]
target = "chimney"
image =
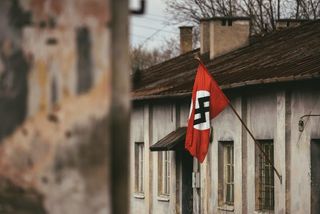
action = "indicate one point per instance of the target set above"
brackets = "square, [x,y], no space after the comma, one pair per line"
[204,36]
[285,23]
[185,39]
[225,34]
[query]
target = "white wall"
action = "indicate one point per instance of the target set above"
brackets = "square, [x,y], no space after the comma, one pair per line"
[303,102]
[226,127]
[137,205]
[164,122]
[270,114]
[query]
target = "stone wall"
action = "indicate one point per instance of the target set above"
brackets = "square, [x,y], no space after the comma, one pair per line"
[60,155]
[54,106]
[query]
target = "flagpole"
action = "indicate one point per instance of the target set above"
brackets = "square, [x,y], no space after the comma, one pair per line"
[256,142]
[197,57]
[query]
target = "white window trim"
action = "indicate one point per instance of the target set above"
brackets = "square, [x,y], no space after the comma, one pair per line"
[138,195]
[222,177]
[227,144]
[139,176]
[164,173]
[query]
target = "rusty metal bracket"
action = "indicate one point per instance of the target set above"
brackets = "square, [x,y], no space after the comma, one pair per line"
[301,124]
[141,9]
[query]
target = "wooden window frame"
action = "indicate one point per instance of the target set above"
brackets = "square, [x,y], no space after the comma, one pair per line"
[226,174]
[265,193]
[164,174]
[139,168]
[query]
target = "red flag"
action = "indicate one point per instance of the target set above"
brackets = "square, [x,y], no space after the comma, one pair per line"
[207,102]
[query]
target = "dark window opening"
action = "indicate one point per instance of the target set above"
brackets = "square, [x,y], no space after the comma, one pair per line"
[13,92]
[52,41]
[54,92]
[84,64]
[18,17]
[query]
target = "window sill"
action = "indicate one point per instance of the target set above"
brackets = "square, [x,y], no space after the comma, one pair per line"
[226,208]
[138,195]
[164,198]
[263,211]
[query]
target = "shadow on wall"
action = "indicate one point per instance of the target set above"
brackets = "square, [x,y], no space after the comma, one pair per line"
[14,199]
[13,67]
[13,91]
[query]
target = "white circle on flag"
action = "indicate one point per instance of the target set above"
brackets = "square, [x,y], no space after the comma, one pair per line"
[202,110]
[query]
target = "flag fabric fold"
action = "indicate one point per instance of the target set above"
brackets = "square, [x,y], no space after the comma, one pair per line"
[207,102]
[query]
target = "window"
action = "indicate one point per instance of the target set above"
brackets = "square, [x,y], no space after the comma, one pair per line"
[54,91]
[226,173]
[84,63]
[138,160]
[164,174]
[265,176]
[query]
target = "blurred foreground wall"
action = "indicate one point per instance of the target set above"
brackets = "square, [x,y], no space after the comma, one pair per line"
[55,95]
[50,50]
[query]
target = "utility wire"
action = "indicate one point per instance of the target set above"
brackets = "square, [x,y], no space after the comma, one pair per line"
[151,19]
[156,15]
[152,35]
[152,28]
[140,36]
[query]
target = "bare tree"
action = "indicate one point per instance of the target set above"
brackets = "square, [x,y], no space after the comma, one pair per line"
[309,9]
[263,13]
[142,58]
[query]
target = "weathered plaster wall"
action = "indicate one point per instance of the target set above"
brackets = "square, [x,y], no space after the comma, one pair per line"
[184,114]
[61,155]
[303,102]
[262,121]
[280,154]
[270,114]
[163,122]
[56,153]
[61,54]
[50,64]
[147,125]
[139,202]
[39,54]
[14,68]
[226,127]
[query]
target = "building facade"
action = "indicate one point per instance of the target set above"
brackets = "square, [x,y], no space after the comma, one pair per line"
[273,84]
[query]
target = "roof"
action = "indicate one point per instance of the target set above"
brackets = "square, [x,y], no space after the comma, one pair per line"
[287,55]
[293,20]
[172,141]
[221,18]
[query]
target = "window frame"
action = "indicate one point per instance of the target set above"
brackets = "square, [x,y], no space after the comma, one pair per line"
[164,175]
[225,179]
[139,158]
[264,173]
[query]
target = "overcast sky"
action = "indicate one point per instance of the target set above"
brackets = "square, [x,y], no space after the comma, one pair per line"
[151,28]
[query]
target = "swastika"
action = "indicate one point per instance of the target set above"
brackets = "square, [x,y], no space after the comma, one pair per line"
[202,110]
